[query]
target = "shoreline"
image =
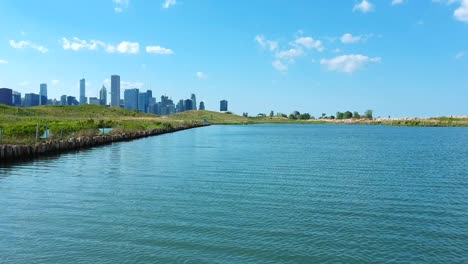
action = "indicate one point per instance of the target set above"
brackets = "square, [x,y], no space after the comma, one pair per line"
[13,153]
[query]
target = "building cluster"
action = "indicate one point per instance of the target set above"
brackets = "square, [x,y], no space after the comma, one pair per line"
[133,99]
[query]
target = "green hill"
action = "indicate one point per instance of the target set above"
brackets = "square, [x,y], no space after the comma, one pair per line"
[211,117]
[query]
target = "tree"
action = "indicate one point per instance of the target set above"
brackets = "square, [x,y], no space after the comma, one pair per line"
[356,115]
[272,114]
[291,116]
[368,114]
[323,115]
[261,115]
[339,115]
[305,116]
[245,114]
[347,115]
[332,117]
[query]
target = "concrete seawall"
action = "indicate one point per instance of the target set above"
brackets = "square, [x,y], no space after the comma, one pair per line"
[23,152]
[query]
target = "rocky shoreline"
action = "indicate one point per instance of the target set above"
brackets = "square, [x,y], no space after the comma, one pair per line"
[24,152]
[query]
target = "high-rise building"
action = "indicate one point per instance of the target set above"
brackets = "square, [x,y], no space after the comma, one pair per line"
[131,99]
[115,91]
[188,104]
[202,106]
[83,99]
[43,94]
[194,102]
[180,106]
[16,100]
[63,100]
[6,96]
[223,106]
[31,99]
[142,102]
[103,96]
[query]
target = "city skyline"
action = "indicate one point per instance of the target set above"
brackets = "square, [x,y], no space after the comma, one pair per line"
[318,58]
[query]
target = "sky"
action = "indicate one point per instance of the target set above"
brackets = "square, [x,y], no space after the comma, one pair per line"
[400,58]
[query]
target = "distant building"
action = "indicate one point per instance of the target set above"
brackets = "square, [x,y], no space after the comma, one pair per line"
[188,104]
[194,102]
[180,106]
[202,106]
[71,100]
[63,100]
[115,90]
[223,106]
[149,101]
[6,96]
[83,99]
[16,99]
[103,96]
[166,106]
[121,103]
[43,94]
[94,101]
[142,102]
[31,99]
[131,99]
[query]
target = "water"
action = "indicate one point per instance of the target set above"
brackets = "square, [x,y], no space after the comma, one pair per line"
[236,194]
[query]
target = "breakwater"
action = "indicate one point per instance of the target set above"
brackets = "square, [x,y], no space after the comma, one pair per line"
[23,152]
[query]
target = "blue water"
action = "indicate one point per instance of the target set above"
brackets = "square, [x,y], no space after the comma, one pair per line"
[237,194]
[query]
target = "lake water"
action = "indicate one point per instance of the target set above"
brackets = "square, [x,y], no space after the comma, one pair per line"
[236,194]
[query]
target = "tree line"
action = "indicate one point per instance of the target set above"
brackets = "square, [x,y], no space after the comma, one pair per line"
[296,115]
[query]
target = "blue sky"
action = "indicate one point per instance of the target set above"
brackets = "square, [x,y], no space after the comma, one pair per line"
[399,58]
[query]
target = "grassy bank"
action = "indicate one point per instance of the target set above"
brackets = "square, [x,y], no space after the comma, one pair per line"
[19,125]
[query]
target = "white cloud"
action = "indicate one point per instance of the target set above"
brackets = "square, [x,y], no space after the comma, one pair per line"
[461,13]
[348,63]
[3,62]
[168,3]
[55,82]
[397,2]
[120,5]
[263,42]
[201,75]
[279,66]
[348,38]
[460,55]
[310,43]
[158,50]
[364,7]
[290,54]
[336,50]
[26,44]
[77,44]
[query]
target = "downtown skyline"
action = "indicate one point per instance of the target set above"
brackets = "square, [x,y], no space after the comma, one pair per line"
[399,58]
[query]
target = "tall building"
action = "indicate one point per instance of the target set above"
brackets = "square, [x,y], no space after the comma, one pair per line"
[180,106]
[43,94]
[115,91]
[202,106]
[131,99]
[31,99]
[6,96]
[16,100]
[142,102]
[223,106]
[103,96]
[83,99]
[63,100]
[194,102]
[188,104]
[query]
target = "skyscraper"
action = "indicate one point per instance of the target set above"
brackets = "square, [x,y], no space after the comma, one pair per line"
[16,99]
[131,99]
[83,99]
[180,106]
[142,102]
[194,102]
[223,106]
[202,106]
[115,90]
[6,96]
[43,94]
[188,104]
[31,99]
[103,95]
[63,100]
